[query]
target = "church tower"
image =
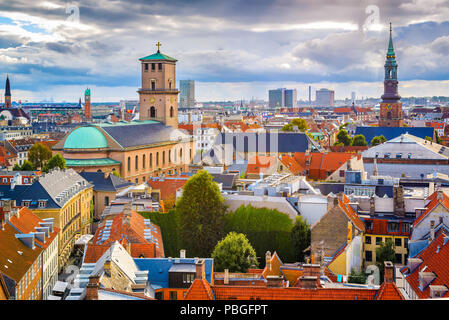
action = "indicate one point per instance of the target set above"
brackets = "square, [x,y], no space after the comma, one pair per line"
[7,93]
[391,107]
[87,112]
[158,95]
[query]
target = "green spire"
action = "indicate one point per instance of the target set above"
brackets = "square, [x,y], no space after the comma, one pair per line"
[390,52]
[87,92]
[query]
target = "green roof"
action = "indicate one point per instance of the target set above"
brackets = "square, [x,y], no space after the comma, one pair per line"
[158,56]
[90,162]
[87,92]
[86,138]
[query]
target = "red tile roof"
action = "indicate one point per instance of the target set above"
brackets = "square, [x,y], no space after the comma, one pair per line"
[127,233]
[350,213]
[168,187]
[435,259]
[389,291]
[434,201]
[260,164]
[199,290]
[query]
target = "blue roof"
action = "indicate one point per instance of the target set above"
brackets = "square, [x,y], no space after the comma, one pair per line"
[393,132]
[159,267]
[266,142]
[111,183]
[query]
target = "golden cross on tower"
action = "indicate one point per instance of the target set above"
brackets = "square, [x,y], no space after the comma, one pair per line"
[158,45]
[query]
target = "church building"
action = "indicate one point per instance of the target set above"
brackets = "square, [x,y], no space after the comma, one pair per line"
[391,107]
[139,149]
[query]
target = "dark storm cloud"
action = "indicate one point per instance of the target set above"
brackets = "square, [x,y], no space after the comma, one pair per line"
[226,41]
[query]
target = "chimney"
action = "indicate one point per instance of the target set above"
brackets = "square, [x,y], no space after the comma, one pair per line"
[372,205]
[388,272]
[398,200]
[432,230]
[268,260]
[182,254]
[200,271]
[440,195]
[226,276]
[92,288]
[311,272]
[275,281]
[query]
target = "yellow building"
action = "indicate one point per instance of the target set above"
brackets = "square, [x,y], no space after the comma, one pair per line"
[379,230]
[65,197]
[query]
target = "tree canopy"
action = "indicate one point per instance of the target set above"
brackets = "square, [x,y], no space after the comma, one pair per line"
[378,140]
[300,236]
[39,154]
[385,252]
[343,137]
[298,122]
[201,210]
[359,140]
[56,161]
[235,253]
[26,166]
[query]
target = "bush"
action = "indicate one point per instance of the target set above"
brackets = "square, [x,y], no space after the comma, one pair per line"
[235,253]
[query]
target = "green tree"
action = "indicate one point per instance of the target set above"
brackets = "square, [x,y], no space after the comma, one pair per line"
[27,166]
[202,214]
[300,236]
[378,140]
[56,161]
[115,173]
[359,140]
[16,167]
[428,138]
[39,154]
[344,138]
[266,229]
[385,252]
[298,122]
[357,277]
[235,253]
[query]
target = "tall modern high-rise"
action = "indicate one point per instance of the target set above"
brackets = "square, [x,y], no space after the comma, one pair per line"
[282,98]
[324,98]
[7,93]
[187,93]
[391,107]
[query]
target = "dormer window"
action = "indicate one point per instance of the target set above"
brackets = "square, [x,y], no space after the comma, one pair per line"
[26,203]
[42,203]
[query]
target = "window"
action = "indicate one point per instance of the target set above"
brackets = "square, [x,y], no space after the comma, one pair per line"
[188,277]
[157,158]
[173,295]
[398,242]
[368,225]
[143,161]
[160,66]
[106,201]
[368,256]
[405,243]
[342,173]
[153,66]
[151,160]
[172,112]
[159,295]
[129,163]
[163,157]
[146,66]
[137,163]
[153,85]
[378,240]
[367,239]
[405,227]
[398,258]
[399,155]
[393,227]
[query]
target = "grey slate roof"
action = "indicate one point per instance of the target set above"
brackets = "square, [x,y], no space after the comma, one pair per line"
[57,187]
[100,183]
[142,133]
[396,170]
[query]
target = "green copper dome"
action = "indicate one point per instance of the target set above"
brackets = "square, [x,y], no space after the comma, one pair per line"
[85,138]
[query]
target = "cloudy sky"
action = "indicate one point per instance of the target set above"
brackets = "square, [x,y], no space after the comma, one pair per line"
[232,49]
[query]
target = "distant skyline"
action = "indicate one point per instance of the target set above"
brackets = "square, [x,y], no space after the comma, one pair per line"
[233,50]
